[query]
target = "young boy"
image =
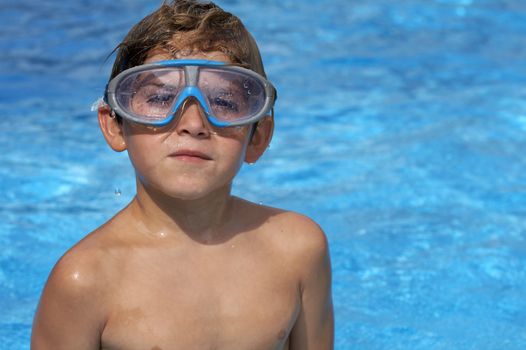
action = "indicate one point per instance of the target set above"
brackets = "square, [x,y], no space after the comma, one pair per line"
[186,265]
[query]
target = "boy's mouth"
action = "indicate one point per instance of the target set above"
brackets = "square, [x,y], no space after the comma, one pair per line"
[190,155]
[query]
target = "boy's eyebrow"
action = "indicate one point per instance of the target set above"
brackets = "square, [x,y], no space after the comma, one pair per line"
[148,78]
[145,78]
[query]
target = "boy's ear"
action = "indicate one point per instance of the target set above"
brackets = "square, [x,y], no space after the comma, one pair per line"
[260,139]
[111,129]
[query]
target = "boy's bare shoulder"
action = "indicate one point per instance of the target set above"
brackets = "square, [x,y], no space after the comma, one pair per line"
[292,234]
[75,300]
[87,266]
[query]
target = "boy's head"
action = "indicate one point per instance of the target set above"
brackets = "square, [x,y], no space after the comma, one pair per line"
[189,30]
[181,27]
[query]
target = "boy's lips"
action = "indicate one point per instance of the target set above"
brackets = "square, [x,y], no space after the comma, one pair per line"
[188,154]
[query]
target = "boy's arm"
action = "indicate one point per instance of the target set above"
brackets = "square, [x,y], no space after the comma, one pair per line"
[314,327]
[69,313]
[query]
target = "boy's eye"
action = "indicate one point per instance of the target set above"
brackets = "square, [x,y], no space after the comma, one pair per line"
[225,104]
[161,98]
[152,100]
[156,96]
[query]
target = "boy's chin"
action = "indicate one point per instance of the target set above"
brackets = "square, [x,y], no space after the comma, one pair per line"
[192,192]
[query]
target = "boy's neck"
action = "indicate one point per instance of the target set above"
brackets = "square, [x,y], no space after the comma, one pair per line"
[203,220]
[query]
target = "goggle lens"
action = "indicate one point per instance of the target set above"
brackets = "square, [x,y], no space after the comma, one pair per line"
[150,95]
[231,95]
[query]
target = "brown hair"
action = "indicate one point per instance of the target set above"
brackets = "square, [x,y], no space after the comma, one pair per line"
[188,25]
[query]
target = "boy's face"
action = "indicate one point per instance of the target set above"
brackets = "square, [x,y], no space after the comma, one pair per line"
[188,158]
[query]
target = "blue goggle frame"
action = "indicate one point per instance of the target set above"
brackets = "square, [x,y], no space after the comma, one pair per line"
[191,73]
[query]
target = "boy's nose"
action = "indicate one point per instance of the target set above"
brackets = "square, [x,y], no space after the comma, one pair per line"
[191,119]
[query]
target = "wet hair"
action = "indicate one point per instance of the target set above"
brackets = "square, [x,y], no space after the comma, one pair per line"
[186,26]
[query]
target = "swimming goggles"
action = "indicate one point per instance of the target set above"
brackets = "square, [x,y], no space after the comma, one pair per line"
[152,93]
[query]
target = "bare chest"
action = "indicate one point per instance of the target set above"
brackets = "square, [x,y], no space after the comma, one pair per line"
[191,304]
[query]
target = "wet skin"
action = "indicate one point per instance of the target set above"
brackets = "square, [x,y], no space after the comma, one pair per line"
[186,265]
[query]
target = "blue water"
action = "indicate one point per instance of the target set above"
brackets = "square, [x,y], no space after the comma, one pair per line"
[401,129]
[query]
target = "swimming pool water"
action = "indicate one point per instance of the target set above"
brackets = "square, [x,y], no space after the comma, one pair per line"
[400,129]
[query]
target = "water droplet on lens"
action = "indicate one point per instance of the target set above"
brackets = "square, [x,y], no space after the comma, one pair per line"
[118,192]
